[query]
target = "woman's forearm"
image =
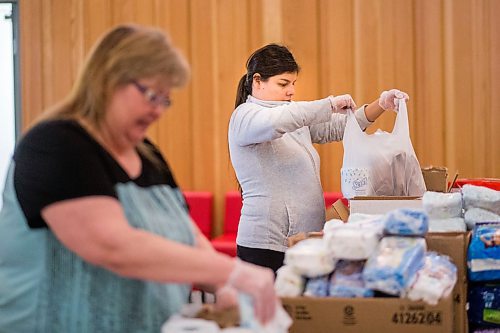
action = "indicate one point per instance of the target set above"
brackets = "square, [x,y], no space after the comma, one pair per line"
[373,111]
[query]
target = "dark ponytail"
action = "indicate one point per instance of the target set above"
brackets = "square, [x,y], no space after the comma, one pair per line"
[270,60]
[242,92]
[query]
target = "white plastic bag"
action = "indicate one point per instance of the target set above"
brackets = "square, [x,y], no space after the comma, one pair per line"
[380,164]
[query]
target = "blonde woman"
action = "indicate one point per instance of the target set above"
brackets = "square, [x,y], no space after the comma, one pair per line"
[94,234]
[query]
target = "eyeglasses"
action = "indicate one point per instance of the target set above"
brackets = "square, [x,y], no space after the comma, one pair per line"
[152,96]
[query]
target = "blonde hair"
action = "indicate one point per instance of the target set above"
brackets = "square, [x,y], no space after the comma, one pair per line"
[126,53]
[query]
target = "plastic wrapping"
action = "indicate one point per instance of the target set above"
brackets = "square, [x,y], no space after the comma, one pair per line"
[481,197]
[484,305]
[394,265]
[478,215]
[288,282]
[483,255]
[318,286]
[442,205]
[310,258]
[406,222]
[433,281]
[354,240]
[178,324]
[446,225]
[347,280]
[381,163]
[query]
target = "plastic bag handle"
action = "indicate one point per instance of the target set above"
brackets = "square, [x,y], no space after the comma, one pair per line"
[401,125]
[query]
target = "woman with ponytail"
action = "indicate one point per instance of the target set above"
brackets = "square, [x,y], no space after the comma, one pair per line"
[271,147]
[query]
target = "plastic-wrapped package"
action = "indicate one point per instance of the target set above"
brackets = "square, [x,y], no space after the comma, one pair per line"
[394,264]
[481,197]
[357,217]
[318,286]
[288,282]
[179,324]
[279,324]
[310,258]
[354,241]
[442,205]
[484,305]
[478,215]
[447,225]
[483,255]
[406,222]
[332,224]
[347,280]
[433,281]
[485,330]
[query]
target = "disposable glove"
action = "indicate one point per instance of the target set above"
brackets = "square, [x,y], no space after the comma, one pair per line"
[226,298]
[258,283]
[341,103]
[389,99]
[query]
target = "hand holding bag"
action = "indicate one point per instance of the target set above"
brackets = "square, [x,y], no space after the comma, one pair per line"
[380,164]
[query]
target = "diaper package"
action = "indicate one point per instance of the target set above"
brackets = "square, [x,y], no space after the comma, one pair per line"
[483,255]
[354,240]
[310,258]
[394,264]
[479,215]
[442,205]
[481,197]
[484,305]
[347,280]
[318,286]
[406,222]
[433,281]
[454,224]
[288,282]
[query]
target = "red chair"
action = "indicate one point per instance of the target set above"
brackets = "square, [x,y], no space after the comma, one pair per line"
[200,209]
[493,183]
[226,243]
[332,197]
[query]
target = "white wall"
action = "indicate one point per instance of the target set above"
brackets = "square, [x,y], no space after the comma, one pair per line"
[7,113]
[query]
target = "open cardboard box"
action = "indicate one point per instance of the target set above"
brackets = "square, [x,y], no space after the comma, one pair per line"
[435,178]
[383,314]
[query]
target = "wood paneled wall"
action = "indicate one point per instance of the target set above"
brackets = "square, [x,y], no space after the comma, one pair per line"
[444,53]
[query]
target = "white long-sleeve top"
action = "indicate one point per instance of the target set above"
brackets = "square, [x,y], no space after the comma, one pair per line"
[277,166]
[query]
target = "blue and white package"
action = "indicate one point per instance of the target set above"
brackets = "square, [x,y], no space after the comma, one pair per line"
[433,281]
[484,305]
[318,286]
[347,280]
[394,264]
[406,222]
[483,255]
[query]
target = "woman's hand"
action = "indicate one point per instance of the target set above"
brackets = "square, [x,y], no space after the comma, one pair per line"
[258,283]
[341,103]
[389,99]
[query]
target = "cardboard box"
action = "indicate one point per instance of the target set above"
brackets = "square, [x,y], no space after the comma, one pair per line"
[454,245]
[365,315]
[340,211]
[435,178]
[382,205]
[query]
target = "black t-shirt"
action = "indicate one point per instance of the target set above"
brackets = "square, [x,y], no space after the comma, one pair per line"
[58,160]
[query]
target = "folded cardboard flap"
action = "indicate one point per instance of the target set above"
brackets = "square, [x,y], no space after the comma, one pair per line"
[340,211]
[454,245]
[435,178]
